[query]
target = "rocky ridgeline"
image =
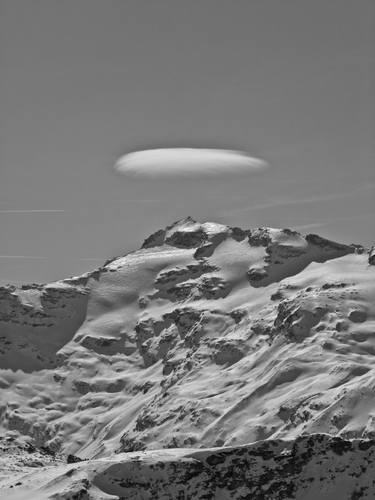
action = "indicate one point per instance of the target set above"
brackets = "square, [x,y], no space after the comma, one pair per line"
[207,336]
[304,468]
[272,469]
[286,249]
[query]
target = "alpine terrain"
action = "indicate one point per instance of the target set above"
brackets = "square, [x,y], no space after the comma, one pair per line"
[213,363]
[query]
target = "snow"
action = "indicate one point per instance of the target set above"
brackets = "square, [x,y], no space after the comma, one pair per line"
[316,466]
[181,344]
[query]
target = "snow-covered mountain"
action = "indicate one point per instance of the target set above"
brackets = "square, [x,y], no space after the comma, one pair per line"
[208,336]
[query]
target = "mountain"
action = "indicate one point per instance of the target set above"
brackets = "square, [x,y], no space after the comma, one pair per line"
[207,337]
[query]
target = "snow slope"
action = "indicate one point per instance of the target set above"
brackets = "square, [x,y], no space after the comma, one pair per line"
[206,336]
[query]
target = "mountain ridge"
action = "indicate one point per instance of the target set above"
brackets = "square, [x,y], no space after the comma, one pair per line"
[206,336]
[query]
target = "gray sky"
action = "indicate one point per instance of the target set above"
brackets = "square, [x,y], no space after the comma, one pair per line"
[85,81]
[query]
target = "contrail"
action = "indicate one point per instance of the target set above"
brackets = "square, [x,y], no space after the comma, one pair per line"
[301,201]
[313,224]
[283,203]
[44,257]
[92,258]
[141,201]
[30,211]
[22,257]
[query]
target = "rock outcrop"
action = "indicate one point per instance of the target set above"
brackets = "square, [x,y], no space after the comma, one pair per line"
[302,469]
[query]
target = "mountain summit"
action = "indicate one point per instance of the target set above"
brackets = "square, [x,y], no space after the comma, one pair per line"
[208,336]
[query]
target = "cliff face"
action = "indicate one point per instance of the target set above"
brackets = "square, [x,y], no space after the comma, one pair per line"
[36,321]
[206,336]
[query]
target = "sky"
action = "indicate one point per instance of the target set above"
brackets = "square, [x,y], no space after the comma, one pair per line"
[84,82]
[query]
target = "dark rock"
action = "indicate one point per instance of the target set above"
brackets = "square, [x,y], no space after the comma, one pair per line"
[371,256]
[72,459]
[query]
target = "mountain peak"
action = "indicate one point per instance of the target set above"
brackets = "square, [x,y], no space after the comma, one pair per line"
[207,336]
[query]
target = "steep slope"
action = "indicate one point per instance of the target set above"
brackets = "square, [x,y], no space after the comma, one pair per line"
[37,321]
[206,336]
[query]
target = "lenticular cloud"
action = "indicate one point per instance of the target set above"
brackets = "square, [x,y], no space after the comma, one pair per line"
[187,162]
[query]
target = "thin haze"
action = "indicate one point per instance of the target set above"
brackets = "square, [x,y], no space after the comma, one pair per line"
[86,81]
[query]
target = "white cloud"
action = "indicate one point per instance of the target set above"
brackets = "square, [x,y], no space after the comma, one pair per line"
[188,163]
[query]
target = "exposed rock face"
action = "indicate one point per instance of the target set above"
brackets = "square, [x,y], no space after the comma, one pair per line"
[275,469]
[287,249]
[36,321]
[371,256]
[207,336]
